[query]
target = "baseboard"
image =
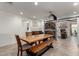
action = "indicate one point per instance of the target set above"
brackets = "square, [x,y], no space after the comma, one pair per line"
[7,44]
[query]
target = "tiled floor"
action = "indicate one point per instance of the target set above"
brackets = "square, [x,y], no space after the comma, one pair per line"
[62,47]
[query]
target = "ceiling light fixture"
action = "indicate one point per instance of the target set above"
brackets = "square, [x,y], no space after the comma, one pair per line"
[75,4]
[36,3]
[34,16]
[74,12]
[21,13]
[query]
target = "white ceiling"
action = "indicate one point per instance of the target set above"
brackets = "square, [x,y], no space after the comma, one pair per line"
[60,9]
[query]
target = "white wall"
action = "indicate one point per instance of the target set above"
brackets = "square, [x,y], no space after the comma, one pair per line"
[11,24]
[37,25]
[58,29]
[78,29]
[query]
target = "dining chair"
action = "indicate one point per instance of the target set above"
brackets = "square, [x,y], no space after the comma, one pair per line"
[21,48]
[49,32]
[36,32]
[28,33]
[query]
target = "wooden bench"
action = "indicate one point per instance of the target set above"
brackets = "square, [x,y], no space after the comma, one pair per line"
[41,48]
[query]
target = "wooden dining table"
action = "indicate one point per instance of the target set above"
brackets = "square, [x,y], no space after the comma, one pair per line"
[35,38]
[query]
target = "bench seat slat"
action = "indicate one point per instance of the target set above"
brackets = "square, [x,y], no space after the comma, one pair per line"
[39,47]
[36,49]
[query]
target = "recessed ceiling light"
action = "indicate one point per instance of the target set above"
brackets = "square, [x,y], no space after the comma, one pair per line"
[74,12]
[34,16]
[75,4]
[21,13]
[36,3]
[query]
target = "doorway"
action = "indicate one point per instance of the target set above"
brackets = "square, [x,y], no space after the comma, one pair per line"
[74,29]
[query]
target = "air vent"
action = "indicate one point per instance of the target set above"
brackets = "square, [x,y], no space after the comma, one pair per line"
[10,3]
